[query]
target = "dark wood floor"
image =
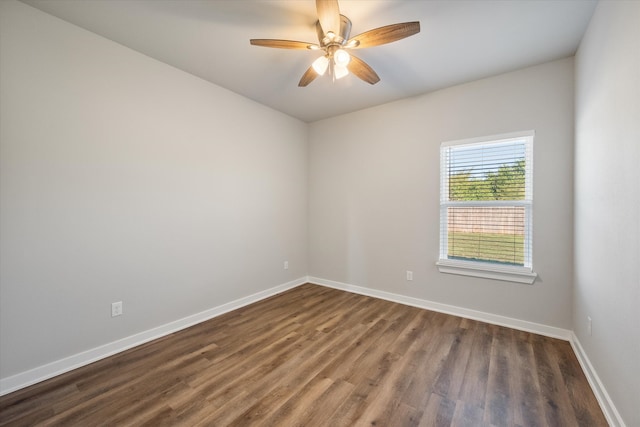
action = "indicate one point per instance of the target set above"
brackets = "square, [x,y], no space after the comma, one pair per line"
[315,356]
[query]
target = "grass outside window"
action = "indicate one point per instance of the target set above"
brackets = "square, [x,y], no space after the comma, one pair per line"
[487,247]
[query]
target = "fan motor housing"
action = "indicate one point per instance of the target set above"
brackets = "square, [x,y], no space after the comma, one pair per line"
[341,38]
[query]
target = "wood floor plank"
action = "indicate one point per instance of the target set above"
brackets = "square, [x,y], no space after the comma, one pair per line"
[450,380]
[341,367]
[390,386]
[412,332]
[474,384]
[525,399]
[581,398]
[371,358]
[316,415]
[467,415]
[498,410]
[433,358]
[296,406]
[557,406]
[280,383]
[316,356]
[439,411]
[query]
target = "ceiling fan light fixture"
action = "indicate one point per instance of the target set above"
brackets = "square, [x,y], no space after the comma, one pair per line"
[341,57]
[333,30]
[320,65]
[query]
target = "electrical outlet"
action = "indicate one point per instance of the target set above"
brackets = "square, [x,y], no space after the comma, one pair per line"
[589,325]
[409,275]
[286,265]
[116,308]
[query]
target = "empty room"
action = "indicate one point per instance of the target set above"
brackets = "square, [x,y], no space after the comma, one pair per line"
[320,213]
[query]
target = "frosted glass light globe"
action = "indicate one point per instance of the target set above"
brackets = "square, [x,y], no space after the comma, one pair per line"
[320,65]
[341,57]
[340,71]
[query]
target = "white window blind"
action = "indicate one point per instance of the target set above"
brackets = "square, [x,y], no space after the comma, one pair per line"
[486,198]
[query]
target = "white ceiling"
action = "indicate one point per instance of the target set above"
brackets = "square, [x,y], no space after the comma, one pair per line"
[460,41]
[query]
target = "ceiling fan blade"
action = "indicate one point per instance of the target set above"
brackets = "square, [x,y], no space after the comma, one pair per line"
[329,15]
[308,76]
[283,44]
[383,35]
[362,70]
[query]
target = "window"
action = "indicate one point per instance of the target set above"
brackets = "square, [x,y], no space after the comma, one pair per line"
[486,197]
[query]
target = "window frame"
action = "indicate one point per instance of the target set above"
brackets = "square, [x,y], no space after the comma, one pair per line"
[520,274]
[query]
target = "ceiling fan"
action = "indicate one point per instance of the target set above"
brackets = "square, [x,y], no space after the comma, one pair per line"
[333,34]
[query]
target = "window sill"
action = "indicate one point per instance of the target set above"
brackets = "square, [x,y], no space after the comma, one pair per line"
[477,269]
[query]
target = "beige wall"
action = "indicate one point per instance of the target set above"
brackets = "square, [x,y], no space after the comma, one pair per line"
[123,178]
[607,201]
[374,192]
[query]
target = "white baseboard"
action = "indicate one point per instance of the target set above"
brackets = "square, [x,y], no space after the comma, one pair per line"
[606,404]
[50,370]
[522,325]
